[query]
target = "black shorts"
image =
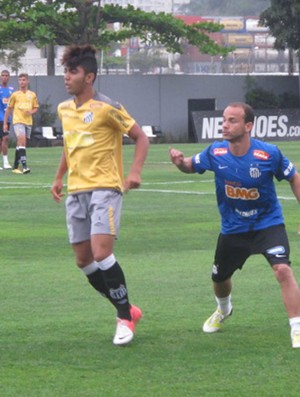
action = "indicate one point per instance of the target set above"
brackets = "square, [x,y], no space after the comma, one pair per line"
[2,133]
[233,250]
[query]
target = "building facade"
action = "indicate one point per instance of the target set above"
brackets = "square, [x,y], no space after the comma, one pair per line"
[167,6]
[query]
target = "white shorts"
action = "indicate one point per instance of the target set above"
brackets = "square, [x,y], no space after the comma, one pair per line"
[22,130]
[96,212]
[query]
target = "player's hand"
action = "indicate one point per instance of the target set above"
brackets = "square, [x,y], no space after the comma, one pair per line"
[56,190]
[176,156]
[133,181]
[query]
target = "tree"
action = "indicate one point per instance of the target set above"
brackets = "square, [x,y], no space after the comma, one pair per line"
[63,22]
[11,56]
[283,20]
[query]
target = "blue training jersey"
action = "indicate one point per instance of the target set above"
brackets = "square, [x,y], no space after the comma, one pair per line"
[245,187]
[5,93]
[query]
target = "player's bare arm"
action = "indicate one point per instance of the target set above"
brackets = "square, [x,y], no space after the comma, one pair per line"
[133,180]
[8,112]
[184,164]
[57,185]
[295,185]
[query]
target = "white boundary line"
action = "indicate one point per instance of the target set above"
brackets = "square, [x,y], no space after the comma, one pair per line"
[175,191]
[23,185]
[18,183]
[177,182]
[26,187]
[32,185]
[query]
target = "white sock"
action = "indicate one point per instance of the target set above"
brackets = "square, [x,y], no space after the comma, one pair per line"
[91,268]
[224,304]
[295,323]
[107,263]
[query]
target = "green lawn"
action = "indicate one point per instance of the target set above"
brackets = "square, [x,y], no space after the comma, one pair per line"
[56,332]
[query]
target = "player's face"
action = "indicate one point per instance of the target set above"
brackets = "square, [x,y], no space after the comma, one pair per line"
[23,83]
[76,80]
[4,78]
[234,127]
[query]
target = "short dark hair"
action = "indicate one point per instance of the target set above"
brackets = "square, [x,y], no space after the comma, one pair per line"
[24,75]
[248,111]
[81,55]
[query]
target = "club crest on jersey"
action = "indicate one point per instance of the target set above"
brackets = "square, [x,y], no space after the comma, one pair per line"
[220,151]
[260,154]
[254,172]
[88,117]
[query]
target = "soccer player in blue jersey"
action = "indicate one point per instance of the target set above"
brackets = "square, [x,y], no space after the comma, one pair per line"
[5,92]
[251,216]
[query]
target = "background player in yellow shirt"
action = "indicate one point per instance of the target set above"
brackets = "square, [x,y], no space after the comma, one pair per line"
[93,126]
[23,103]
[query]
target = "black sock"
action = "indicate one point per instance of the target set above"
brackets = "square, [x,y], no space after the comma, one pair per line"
[22,151]
[97,281]
[116,287]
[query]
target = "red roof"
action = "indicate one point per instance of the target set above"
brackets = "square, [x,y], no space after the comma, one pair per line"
[189,19]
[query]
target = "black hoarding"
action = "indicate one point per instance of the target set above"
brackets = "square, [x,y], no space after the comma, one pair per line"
[269,125]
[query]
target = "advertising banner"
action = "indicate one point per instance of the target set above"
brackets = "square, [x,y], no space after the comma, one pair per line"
[269,125]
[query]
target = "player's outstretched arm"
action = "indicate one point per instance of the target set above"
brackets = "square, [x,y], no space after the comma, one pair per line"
[184,164]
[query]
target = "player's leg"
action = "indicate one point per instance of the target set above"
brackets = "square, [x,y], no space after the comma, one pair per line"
[222,292]
[4,147]
[85,262]
[277,253]
[19,130]
[4,139]
[224,309]
[102,247]
[22,146]
[1,137]
[79,228]
[289,289]
[116,288]
[107,277]
[231,253]
[1,150]
[105,209]
[96,260]
[291,298]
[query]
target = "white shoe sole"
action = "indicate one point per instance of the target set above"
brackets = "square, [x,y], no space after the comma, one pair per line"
[123,335]
[209,329]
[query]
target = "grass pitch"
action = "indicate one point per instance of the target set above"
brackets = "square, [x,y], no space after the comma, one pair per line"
[56,332]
